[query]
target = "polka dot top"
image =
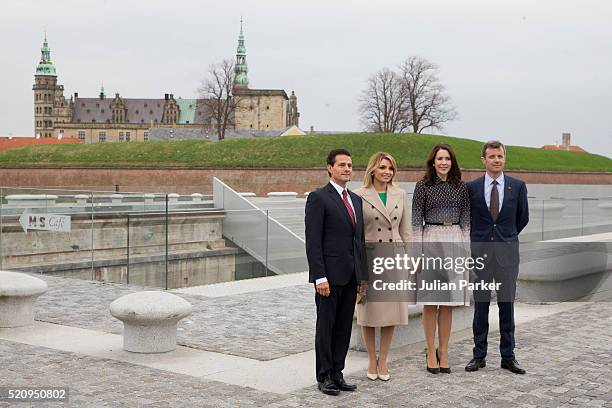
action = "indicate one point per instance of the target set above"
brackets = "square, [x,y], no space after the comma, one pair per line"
[442,202]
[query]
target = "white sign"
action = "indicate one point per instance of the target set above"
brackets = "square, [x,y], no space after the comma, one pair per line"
[44,222]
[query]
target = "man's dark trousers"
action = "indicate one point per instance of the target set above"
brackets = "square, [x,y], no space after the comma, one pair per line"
[505,302]
[334,321]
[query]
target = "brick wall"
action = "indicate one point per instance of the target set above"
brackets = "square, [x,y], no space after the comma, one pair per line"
[259,181]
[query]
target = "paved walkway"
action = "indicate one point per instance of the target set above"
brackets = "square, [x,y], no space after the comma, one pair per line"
[568,357]
[244,324]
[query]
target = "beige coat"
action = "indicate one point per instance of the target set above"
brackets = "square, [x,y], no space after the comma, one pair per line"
[390,223]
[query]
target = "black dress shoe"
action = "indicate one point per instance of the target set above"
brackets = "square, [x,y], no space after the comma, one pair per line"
[444,370]
[328,387]
[513,366]
[432,370]
[343,386]
[475,364]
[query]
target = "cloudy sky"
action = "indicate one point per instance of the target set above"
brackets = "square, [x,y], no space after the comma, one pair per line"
[519,71]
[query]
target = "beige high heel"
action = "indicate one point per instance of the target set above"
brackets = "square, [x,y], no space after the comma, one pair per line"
[383,377]
[374,376]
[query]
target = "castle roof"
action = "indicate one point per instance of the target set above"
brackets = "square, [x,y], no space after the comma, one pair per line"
[139,110]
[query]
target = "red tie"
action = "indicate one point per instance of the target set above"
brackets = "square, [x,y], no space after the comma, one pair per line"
[348,206]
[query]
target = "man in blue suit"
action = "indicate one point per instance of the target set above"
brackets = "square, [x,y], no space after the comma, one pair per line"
[499,213]
[336,262]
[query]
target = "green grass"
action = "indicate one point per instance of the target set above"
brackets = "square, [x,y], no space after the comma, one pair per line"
[410,150]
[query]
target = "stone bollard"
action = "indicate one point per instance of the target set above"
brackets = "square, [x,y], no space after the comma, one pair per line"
[81,199]
[149,199]
[173,198]
[18,292]
[116,199]
[149,320]
[31,200]
[282,195]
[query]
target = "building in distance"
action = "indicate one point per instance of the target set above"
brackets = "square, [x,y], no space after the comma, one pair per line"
[118,119]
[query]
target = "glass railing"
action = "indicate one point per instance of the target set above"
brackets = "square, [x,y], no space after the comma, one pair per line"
[174,241]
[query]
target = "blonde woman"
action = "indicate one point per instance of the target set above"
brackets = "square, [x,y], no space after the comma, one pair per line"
[386,219]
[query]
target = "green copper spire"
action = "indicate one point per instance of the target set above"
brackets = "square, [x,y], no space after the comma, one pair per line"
[241,69]
[45,66]
[102,94]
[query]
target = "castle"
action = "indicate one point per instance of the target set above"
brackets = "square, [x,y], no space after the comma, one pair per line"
[119,119]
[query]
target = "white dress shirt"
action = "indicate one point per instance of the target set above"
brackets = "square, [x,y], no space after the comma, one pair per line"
[339,189]
[488,186]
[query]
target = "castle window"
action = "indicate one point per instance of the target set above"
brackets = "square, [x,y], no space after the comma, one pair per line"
[127,136]
[155,120]
[121,138]
[93,121]
[199,113]
[102,136]
[82,135]
[79,120]
[187,122]
[107,120]
[82,105]
[102,110]
[141,120]
[97,105]
[87,111]
[146,136]
[150,112]
[137,112]
[145,105]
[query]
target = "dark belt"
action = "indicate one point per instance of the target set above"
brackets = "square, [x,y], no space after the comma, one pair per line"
[446,224]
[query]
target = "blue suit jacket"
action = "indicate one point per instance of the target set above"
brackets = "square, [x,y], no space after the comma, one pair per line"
[334,248]
[499,237]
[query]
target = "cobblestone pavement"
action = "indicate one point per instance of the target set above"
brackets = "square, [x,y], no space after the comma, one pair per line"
[568,357]
[246,325]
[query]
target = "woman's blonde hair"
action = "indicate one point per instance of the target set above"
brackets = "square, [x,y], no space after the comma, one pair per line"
[373,164]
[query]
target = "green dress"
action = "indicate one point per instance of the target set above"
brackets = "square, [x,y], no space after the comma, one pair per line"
[383,198]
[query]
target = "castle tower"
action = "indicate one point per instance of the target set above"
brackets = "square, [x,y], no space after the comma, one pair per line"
[293,116]
[240,70]
[45,83]
[50,106]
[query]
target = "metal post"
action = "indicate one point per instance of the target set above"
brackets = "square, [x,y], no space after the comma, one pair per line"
[543,203]
[267,240]
[166,241]
[93,244]
[582,216]
[1,228]
[127,278]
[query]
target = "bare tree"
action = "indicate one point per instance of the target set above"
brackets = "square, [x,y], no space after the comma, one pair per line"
[382,103]
[428,107]
[217,92]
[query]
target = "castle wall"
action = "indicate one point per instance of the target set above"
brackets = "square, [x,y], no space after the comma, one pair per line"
[261,112]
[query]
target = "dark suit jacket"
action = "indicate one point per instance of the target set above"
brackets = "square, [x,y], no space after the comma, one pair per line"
[334,248]
[499,237]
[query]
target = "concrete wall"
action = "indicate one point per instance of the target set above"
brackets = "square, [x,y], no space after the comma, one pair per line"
[197,252]
[260,181]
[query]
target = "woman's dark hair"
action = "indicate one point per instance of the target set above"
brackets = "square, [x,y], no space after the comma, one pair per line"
[454,175]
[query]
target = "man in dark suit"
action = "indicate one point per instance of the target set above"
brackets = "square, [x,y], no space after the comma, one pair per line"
[499,213]
[336,261]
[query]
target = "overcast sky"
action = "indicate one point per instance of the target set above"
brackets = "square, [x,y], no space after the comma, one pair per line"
[519,71]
